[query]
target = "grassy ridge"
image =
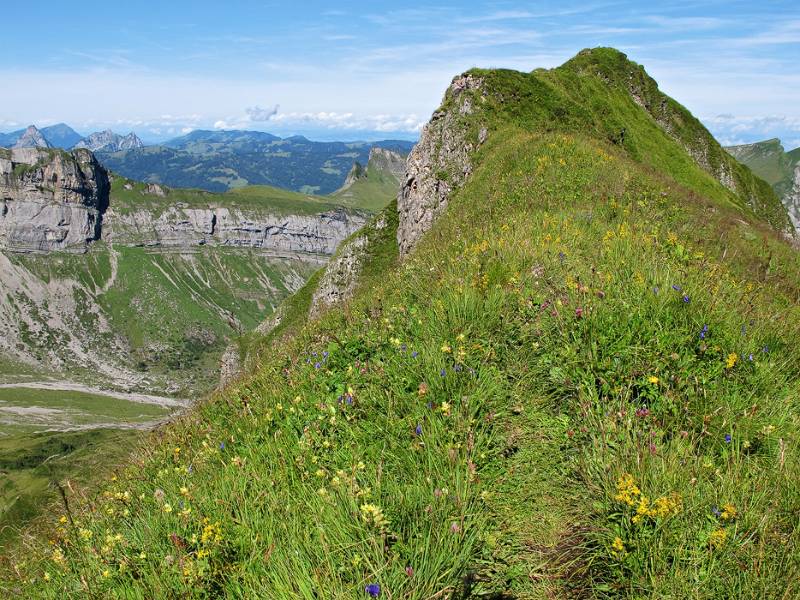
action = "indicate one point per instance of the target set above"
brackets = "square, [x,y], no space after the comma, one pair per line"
[489,417]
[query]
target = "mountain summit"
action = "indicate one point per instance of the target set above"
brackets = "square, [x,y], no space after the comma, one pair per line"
[108,141]
[32,138]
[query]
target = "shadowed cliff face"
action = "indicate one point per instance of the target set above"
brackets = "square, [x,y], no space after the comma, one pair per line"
[51,200]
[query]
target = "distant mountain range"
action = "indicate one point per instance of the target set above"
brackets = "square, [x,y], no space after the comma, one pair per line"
[779,168]
[217,161]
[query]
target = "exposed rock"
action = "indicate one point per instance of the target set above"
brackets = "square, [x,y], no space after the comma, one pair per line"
[792,199]
[388,162]
[51,200]
[108,141]
[440,163]
[155,190]
[230,365]
[182,227]
[341,275]
[32,138]
[357,171]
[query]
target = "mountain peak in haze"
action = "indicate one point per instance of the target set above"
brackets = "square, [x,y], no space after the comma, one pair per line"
[108,141]
[32,138]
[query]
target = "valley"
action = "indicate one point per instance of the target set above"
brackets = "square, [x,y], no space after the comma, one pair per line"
[119,297]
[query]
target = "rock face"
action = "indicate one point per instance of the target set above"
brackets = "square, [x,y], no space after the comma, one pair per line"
[50,200]
[792,199]
[108,141]
[183,227]
[439,164]
[32,138]
[388,162]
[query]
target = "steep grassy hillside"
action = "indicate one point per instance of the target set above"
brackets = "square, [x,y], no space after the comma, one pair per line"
[581,383]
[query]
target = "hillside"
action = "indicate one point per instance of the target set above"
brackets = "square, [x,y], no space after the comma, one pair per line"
[777,167]
[222,160]
[118,299]
[565,367]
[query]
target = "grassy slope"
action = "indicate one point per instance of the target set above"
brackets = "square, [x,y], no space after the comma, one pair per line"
[524,435]
[546,339]
[372,192]
[591,93]
[769,161]
[256,197]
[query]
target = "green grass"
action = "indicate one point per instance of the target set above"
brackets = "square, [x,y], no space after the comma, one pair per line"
[511,486]
[373,192]
[31,463]
[486,418]
[262,198]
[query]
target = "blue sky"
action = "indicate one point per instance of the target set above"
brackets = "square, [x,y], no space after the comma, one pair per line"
[347,70]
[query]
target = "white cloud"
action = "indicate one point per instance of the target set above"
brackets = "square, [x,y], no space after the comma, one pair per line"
[260,115]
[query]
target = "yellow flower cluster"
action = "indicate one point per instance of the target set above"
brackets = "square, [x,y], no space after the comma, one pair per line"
[730,362]
[212,532]
[627,490]
[373,515]
[717,538]
[728,512]
[660,508]
[618,548]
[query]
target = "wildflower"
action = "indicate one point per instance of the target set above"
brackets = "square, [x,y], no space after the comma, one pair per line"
[455,528]
[142,555]
[578,312]
[46,576]
[373,515]
[409,571]
[63,519]
[746,444]
[655,290]
[730,362]
[423,389]
[618,545]
[653,379]
[373,589]
[627,489]
[184,491]
[106,574]
[443,372]
[717,538]
[446,349]
[686,299]
[727,438]
[414,354]
[418,430]
[703,332]
[716,512]
[728,512]
[167,508]
[317,365]
[677,288]
[643,412]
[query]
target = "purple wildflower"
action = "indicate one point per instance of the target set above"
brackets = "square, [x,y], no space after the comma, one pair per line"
[373,589]
[418,430]
[716,512]
[703,332]
[222,446]
[728,438]
[686,299]
[655,290]
[677,288]
[414,354]
[751,357]
[443,372]
[317,365]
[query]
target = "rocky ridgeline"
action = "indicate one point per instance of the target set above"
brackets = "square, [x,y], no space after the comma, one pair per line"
[50,200]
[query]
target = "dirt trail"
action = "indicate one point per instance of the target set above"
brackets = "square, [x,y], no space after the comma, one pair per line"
[68,386]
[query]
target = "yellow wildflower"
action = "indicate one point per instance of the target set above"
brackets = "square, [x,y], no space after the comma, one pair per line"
[618,545]
[446,349]
[717,538]
[653,379]
[627,490]
[728,512]
[731,361]
[167,508]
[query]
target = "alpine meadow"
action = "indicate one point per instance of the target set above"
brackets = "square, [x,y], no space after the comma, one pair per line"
[546,350]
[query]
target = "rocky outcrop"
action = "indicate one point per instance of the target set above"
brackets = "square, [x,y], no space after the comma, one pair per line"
[50,200]
[792,199]
[388,161]
[440,163]
[182,227]
[32,138]
[108,141]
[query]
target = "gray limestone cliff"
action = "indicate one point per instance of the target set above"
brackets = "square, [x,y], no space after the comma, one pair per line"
[792,198]
[440,163]
[108,141]
[50,200]
[180,226]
